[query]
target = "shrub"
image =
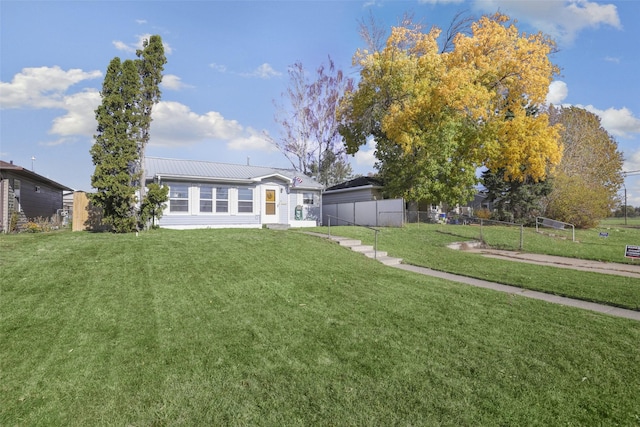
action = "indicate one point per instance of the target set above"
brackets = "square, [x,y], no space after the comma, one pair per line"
[32,227]
[483,213]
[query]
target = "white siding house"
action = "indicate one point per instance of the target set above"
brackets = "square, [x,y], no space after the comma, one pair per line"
[219,195]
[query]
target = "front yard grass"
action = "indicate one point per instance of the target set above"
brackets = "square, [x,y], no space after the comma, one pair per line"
[258,327]
[426,245]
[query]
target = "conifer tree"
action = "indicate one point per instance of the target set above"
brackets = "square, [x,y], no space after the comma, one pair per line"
[115,152]
[129,91]
[150,67]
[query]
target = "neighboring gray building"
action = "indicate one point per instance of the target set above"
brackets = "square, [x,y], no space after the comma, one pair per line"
[361,189]
[28,194]
[206,194]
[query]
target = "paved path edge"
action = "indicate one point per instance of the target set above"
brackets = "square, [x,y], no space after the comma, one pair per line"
[555,299]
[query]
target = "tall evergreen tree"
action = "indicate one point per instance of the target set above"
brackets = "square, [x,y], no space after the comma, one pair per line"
[514,200]
[129,91]
[150,68]
[115,151]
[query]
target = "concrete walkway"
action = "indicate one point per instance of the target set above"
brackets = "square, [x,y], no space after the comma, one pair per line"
[368,251]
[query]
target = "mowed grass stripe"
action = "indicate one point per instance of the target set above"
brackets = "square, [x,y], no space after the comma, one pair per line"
[426,245]
[255,327]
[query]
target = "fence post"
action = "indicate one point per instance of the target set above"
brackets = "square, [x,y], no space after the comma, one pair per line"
[481,237]
[329,225]
[375,245]
[521,236]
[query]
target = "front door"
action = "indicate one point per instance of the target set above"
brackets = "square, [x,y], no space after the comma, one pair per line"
[270,206]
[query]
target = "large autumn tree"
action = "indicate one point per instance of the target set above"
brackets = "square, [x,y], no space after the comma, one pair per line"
[309,135]
[438,113]
[587,180]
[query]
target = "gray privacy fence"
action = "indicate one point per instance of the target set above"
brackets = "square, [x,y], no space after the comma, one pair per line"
[376,213]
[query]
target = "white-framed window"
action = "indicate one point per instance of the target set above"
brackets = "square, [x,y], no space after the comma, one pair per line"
[222,199]
[307,199]
[178,197]
[245,200]
[206,199]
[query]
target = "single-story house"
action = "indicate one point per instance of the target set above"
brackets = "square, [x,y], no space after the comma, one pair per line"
[360,189]
[25,195]
[205,194]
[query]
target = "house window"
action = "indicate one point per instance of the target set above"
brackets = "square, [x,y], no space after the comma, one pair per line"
[206,199]
[245,200]
[178,198]
[222,199]
[307,199]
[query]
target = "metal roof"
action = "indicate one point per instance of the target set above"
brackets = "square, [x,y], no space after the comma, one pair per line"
[213,171]
[361,181]
[20,171]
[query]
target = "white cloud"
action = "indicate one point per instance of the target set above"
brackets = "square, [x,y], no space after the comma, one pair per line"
[173,82]
[175,125]
[558,92]
[141,21]
[42,87]
[365,158]
[618,122]
[562,20]
[264,71]
[632,162]
[252,139]
[80,116]
[440,1]
[613,59]
[218,67]
[123,46]
[132,47]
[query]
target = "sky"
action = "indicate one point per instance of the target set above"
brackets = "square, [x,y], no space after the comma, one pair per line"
[227,68]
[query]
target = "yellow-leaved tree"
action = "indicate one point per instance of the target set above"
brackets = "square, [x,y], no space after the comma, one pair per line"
[437,115]
[588,178]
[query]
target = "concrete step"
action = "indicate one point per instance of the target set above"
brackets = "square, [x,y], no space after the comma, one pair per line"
[278,226]
[357,246]
[368,251]
[348,242]
[387,260]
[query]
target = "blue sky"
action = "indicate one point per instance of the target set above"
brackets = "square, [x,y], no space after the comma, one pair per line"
[228,61]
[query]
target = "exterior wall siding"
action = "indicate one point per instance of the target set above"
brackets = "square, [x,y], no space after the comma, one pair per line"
[355,195]
[209,221]
[37,200]
[311,214]
[4,205]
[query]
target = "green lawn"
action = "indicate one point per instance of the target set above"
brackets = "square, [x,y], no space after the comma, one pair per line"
[426,245]
[258,327]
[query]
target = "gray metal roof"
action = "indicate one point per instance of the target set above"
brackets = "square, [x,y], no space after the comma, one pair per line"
[212,171]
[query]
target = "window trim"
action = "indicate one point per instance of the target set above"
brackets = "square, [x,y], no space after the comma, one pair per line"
[172,188]
[245,201]
[219,200]
[210,199]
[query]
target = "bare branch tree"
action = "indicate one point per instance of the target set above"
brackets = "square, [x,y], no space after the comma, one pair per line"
[461,23]
[309,128]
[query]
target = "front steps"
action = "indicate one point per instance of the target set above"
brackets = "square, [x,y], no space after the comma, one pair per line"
[368,251]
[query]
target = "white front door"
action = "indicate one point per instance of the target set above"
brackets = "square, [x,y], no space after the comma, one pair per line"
[270,205]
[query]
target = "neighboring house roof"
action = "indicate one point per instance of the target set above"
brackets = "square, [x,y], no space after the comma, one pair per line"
[20,171]
[361,181]
[222,172]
